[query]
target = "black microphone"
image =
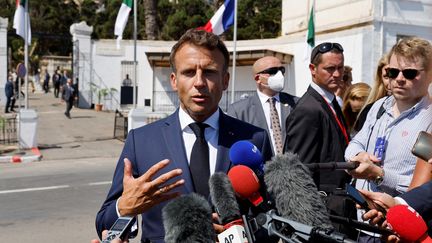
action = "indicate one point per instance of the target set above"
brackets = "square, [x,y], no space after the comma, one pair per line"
[295,194]
[224,200]
[332,166]
[188,219]
[292,231]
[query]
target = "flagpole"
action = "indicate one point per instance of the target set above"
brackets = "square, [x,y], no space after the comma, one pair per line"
[234,54]
[25,54]
[135,54]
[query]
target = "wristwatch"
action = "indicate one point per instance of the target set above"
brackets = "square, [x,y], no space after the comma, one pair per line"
[379,179]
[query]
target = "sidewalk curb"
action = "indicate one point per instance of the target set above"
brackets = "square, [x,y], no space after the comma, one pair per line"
[36,156]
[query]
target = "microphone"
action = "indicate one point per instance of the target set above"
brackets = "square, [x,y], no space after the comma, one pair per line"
[293,232]
[188,219]
[245,183]
[244,152]
[223,198]
[409,225]
[332,166]
[296,196]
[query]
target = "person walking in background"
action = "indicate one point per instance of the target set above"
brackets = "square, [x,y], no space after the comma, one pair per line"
[68,95]
[56,82]
[46,82]
[10,95]
[353,102]
[270,107]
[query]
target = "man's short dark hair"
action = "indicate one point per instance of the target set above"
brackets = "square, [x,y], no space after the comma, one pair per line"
[200,38]
[323,48]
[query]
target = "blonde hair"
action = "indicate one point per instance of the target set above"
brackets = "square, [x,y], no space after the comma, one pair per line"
[412,48]
[378,89]
[355,91]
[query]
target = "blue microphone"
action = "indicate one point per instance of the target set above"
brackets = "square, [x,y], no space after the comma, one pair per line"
[246,153]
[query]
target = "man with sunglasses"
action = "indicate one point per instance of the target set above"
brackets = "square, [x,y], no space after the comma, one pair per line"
[270,107]
[316,129]
[383,145]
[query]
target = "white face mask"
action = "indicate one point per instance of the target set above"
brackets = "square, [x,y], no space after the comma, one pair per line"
[276,82]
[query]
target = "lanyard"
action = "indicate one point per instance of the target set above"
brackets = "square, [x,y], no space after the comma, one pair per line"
[341,126]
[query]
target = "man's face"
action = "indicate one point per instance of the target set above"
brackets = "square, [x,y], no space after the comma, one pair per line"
[409,90]
[199,80]
[329,72]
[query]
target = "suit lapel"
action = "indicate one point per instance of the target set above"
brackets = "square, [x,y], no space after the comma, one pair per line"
[175,145]
[326,107]
[286,108]
[226,139]
[257,108]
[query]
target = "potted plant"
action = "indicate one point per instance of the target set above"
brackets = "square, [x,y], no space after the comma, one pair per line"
[101,94]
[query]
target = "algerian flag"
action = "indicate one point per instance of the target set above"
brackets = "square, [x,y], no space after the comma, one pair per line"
[19,20]
[310,36]
[122,18]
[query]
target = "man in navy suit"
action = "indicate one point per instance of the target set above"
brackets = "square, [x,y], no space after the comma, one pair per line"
[157,157]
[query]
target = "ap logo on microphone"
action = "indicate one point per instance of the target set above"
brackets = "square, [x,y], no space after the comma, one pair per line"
[235,234]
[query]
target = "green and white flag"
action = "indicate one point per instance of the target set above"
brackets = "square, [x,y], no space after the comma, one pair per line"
[122,18]
[310,36]
[19,20]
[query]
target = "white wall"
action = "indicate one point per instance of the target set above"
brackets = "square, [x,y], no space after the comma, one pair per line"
[3,58]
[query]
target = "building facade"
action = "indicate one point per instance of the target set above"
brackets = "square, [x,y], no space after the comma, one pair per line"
[366,29]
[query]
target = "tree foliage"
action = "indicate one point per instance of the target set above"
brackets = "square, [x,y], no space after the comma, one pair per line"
[51,20]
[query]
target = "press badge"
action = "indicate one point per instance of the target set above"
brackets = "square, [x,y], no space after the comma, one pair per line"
[379,147]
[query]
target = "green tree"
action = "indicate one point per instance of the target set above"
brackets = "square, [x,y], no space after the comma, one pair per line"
[188,14]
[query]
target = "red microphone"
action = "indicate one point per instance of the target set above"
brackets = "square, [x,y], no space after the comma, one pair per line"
[245,183]
[410,226]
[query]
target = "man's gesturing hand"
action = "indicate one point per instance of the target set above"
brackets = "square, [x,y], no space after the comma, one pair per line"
[142,193]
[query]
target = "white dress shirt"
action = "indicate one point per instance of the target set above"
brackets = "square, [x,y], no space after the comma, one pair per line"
[327,95]
[211,135]
[265,103]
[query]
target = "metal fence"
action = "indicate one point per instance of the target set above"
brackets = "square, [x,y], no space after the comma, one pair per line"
[8,130]
[120,126]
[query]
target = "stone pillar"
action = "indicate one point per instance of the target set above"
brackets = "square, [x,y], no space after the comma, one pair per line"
[82,61]
[3,58]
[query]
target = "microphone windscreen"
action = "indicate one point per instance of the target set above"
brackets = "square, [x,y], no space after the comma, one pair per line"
[245,183]
[405,221]
[188,219]
[246,153]
[296,196]
[223,198]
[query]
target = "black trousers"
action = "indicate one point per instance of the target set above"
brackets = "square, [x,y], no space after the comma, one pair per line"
[56,89]
[10,103]
[69,105]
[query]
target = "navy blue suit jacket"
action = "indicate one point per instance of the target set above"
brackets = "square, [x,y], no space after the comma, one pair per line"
[147,145]
[420,198]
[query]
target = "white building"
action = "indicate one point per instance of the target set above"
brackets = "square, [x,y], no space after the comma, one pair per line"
[365,28]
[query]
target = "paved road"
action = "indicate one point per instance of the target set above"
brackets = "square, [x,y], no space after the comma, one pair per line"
[56,199]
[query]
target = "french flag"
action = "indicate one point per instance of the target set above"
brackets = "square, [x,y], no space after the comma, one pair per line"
[222,19]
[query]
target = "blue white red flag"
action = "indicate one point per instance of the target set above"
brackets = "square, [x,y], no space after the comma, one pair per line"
[222,19]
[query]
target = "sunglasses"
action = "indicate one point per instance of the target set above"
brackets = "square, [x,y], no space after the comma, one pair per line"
[273,70]
[324,48]
[409,73]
